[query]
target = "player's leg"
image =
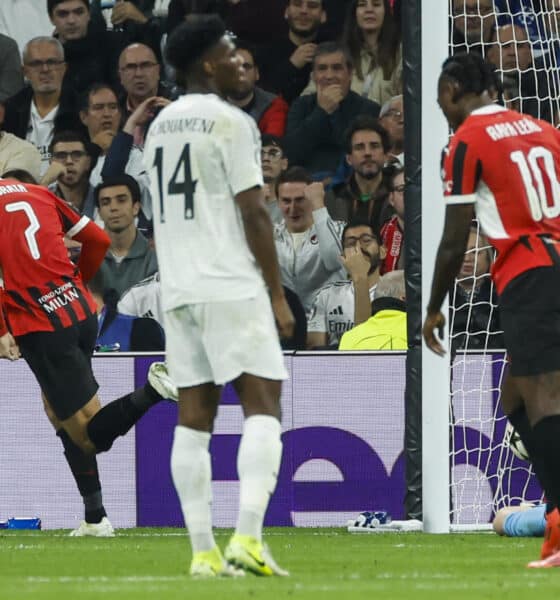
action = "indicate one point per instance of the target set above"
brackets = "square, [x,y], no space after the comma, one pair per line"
[86,475]
[242,346]
[258,464]
[524,520]
[190,456]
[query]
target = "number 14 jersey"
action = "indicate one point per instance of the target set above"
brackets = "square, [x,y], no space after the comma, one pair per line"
[507,164]
[201,152]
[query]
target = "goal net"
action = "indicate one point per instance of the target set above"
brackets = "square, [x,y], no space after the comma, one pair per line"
[485,474]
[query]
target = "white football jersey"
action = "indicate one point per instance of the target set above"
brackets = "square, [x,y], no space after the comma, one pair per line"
[201,152]
[143,299]
[333,310]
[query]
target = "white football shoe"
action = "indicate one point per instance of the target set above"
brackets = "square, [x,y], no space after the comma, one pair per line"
[101,529]
[159,379]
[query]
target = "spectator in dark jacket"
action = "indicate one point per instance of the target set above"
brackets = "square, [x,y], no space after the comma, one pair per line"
[317,122]
[45,105]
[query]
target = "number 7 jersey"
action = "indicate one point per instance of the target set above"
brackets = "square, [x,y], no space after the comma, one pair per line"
[200,153]
[507,164]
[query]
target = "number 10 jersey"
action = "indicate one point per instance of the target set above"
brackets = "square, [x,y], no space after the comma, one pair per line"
[200,153]
[507,164]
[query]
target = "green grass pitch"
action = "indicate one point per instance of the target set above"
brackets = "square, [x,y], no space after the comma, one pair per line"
[324,563]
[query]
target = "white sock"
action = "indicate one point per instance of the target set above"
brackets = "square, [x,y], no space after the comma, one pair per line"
[258,462]
[192,476]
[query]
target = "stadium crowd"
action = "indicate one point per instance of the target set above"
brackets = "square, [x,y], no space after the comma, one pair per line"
[81,81]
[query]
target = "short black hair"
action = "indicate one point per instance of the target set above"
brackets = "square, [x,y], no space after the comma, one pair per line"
[52,4]
[473,74]
[93,89]
[67,135]
[391,170]
[267,139]
[188,42]
[357,222]
[124,179]
[367,123]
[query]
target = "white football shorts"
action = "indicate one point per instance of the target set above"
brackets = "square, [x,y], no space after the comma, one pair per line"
[218,341]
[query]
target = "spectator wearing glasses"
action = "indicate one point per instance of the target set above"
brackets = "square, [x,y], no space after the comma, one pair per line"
[72,160]
[139,74]
[391,118]
[392,232]
[101,115]
[342,304]
[268,110]
[42,107]
[273,163]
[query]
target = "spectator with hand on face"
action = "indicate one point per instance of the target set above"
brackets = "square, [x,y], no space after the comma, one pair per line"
[308,241]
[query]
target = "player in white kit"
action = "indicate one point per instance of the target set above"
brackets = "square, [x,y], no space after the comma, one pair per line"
[217,258]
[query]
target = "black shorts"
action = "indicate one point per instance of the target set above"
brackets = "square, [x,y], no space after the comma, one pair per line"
[530,315]
[61,363]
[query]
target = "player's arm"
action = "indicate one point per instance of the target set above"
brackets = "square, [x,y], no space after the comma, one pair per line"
[8,346]
[258,231]
[95,242]
[449,258]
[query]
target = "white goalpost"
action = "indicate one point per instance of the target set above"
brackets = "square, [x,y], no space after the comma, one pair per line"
[469,469]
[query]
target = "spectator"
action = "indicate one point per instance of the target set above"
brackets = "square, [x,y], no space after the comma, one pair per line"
[17,154]
[474,314]
[373,38]
[473,22]
[43,106]
[391,118]
[11,78]
[72,159]
[317,122]
[363,195]
[392,231]
[136,21]
[268,111]
[139,74]
[286,63]
[386,328]
[91,53]
[510,53]
[308,241]
[274,162]
[342,304]
[122,332]
[101,115]
[129,258]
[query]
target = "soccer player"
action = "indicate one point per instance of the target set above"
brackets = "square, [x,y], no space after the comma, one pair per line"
[523,520]
[47,315]
[217,258]
[506,165]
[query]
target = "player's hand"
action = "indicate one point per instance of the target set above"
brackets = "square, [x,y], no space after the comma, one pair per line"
[330,97]
[303,55]
[8,347]
[126,11]
[284,318]
[315,193]
[356,263]
[55,170]
[144,112]
[104,139]
[432,323]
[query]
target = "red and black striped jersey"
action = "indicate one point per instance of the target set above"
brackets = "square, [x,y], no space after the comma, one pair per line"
[43,289]
[507,164]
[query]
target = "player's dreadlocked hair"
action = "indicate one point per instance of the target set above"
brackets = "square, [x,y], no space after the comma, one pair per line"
[472,73]
[192,39]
